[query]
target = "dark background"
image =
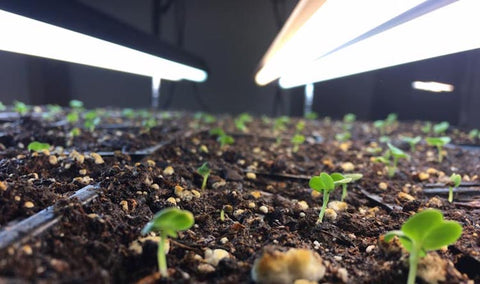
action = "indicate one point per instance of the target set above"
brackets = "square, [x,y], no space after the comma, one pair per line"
[231,36]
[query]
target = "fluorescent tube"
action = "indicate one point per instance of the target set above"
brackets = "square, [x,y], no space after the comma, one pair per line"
[435,87]
[334,23]
[20,34]
[450,29]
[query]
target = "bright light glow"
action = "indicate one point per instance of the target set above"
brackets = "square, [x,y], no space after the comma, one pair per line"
[23,35]
[333,24]
[435,87]
[309,88]
[450,29]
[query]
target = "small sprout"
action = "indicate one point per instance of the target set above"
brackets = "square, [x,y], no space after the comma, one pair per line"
[20,107]
[280,123]
[149,123]
[311,115]
[225,140]
[326,184]
[209,119]
[75,132]
[300,126]
[438,142]
[168,222]
[128,113]
[72,117]
[412,142]
[391,164]
[353,177]
[217,131]
[473,134]
[2,107]
[76,104]
[456,179]
[297,140]
[441,128]
[222,215]
[344,136]
[348,120]
[384,139]
[380,124]
[204,171]
[423,232]
[266,120]
[38,146]
[427,127]
[391,119]
[91,120]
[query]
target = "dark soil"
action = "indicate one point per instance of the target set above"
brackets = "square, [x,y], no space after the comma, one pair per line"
[94,243]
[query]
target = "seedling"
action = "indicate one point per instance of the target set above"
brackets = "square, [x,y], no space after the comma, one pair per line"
[441,128]
[241,120]
[473,134]
[149,123]
[91,120]
[391,164]
[225,140]
[76,104]
[438,142]
[2,107]
[38,146]
[297,140]
[423,232]
[344,136]
[280,123]
[300,126]
[168,222]
[427,127]
[391,119]
[311,115]
[75,132]
[456,179]
[204,171]
[353,177]
[412,142]
[348,120]
[217,131]
[325,184]
[20,107]
[128,113]
[380,124]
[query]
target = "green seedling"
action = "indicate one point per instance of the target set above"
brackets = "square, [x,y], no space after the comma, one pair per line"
[438,142]
[149,123]
[344,136]
[380,124]
[241,120]
[38,146]
[473,134]
[441,127]
[280,123]
[20,107]
[353,177]
[300,126]
[168,222]
[348,120]
[412,142]
[384,139]
[391,119]
[72,117]
[427,127]
[311,115]
[76,104]
[2,107]
[204,171]
[217,131]
[325,184]
[52,111]
[456,179]
[386,159]
[225,140]
[423,232]
[91,120]
[297,140]
[75,132]
[266,120]
[128,113]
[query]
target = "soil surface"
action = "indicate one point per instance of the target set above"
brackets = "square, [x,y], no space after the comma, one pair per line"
[257,198]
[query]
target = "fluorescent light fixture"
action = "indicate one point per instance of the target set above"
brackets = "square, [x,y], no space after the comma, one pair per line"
[450,29]
[435,87]
[318,27]
[20,34]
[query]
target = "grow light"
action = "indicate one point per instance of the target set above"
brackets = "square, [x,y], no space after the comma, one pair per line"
[435,87]
[24,35]
[316,27]
[446,30]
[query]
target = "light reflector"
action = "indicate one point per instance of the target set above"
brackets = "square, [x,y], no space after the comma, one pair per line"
[435,87]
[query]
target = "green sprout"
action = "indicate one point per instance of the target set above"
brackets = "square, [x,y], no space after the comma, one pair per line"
[2,107]
[353,177]
[348,120]
[441,127]
[76,104]
[391,119]
[91,120]
[438,142]
[241,120]
[300,126]
[473,133]
[344,136]
[52,111]
[456,179]
[149,123]
[423,232]
[427,127]
[280,123]
[128,113]
[412,142]
[20,107]
[391,164]
[297,140]
[168,222]
[72,117]
[217,131]
[204,171]
[75,132]
[380,124]
[38,146]
[311,115]
[222,137]
[325,184]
